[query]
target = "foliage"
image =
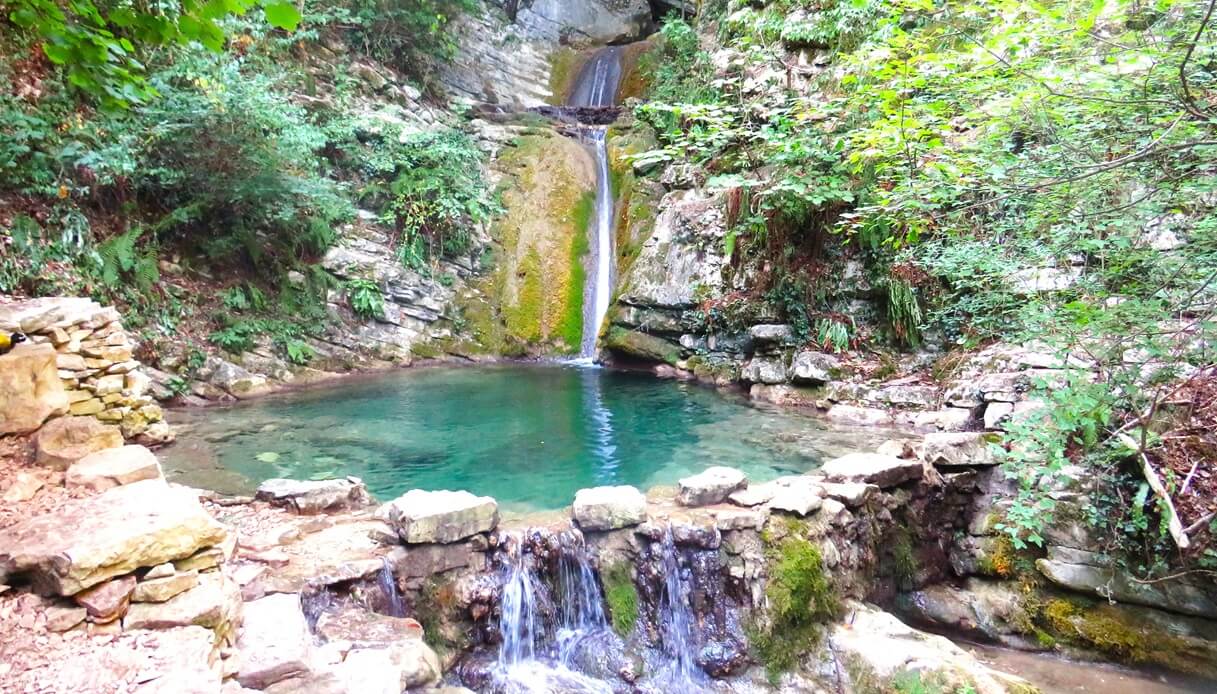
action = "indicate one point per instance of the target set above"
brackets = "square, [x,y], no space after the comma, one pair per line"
[409,35]
[366,299]
[438,196]
[99,46]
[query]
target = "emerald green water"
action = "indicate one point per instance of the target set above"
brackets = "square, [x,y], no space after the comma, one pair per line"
[530,436]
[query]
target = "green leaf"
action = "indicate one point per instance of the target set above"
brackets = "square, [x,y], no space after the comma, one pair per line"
[283,15]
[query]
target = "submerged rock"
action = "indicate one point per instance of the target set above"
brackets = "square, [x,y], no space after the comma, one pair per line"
[90,540]
[315,496]
[711,486]
[609,508]
[421,517]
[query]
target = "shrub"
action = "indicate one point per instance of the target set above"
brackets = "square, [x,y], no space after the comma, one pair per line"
[365,298]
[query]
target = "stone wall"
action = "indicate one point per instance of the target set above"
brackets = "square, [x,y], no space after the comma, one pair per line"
[95,362]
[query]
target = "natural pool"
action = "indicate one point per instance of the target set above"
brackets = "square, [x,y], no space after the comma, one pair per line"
[528,435]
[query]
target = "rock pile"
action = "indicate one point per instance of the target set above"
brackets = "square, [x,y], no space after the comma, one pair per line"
[94,361]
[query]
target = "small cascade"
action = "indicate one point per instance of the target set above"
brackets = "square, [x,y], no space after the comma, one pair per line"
[395,606]
[541,637]
[676,617]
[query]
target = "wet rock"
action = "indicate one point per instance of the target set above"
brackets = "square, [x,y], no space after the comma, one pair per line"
[722,658]
[108,601]
[165,588]
[609,508]
[90,540]
[992,610]
[422,517]
[66,440]
[951,449]
[30,389]
[711,486]
[274,641]
[871,468]
[814,368]
[113,467]
[315,496]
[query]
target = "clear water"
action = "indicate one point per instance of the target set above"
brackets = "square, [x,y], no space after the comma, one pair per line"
[528,435]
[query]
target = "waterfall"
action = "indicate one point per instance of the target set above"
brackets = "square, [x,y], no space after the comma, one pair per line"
[676,619]
[533,657]
[596,87]
[388,586]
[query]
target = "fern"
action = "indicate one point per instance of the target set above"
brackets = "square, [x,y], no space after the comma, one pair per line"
[904,312]
[121,258]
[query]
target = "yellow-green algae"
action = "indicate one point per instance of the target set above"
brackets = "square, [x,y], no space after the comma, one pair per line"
[532,300]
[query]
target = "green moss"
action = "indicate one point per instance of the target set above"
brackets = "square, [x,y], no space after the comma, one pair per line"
[622,598]
[570,327]
[800,600]
[903,559]
[564,65]
[425,350]
[641,345]
[436,609]
[1002,561]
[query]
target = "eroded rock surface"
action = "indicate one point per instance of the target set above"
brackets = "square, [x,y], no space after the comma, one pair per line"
[30,390]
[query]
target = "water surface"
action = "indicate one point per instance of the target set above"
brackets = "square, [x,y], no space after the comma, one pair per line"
[530,436]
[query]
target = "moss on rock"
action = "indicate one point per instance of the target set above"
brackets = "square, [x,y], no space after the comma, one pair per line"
[622,597]
[641,345]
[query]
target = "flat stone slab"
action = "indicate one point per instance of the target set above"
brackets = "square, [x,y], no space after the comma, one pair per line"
[310,497]
[214,602]
[421,517]
[958,449]
[113,467]
[274,641]
[1108,583]
[609,508]
[90,540]
[711,486]
[872,468]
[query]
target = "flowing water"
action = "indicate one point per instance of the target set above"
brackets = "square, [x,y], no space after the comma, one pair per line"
[676,621]
[528,435]
[596,87]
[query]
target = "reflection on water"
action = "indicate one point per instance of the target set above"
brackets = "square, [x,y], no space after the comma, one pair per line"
[529,435]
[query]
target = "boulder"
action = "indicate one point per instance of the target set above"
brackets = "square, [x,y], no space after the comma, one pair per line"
[771,334]
[215,603]
[871,468]
[799,500]
[113,467]
[315,496]
[958,449]
[767,370]
[609,508]
[30,389]
[814,368]
[274,641]
[711,486]
[90,540]
[421,517]
[107,601]
[861,416]
[66,440]
[163,588]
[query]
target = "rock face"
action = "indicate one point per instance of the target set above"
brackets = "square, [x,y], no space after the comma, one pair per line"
[274,641]
[711,486]
[421,517]
[585,21]
[872,468]
[30,389]
[948,449]
[66,440]
[312,497]
[90,540]
[113,467]
[609,508]
[1105,581]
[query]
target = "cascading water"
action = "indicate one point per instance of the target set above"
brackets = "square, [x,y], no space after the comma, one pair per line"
[394,605]
[541,639]
[676,621]
[596,87]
